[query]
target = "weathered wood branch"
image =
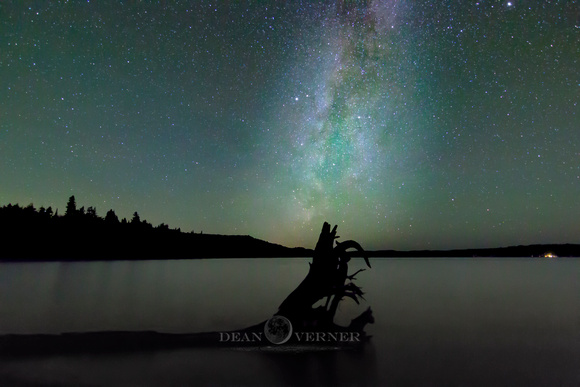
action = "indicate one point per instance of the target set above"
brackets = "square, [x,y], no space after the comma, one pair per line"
[326,278]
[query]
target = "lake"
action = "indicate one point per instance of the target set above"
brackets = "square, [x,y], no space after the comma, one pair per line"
[438,321]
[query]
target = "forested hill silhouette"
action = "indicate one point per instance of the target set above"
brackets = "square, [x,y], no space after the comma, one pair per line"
[40,234]
[27,233]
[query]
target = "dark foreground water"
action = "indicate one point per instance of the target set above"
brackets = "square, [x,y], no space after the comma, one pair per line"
[468,322]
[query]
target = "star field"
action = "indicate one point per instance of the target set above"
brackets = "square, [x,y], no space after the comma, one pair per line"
[412,124]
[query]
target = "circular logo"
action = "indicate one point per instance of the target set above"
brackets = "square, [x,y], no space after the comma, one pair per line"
[278,329]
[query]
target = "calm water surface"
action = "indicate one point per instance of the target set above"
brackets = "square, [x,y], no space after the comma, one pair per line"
[438,321]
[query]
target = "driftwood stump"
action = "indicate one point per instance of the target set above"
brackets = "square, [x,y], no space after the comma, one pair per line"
[328,280]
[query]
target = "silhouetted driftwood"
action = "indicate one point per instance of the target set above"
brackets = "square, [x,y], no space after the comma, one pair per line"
[327,282]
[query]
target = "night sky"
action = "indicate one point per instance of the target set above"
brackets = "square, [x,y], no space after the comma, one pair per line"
[410,124]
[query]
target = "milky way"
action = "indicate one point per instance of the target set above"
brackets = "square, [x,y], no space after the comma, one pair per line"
[411,124]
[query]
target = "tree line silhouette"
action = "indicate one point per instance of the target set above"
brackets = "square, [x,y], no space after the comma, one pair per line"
[80,234]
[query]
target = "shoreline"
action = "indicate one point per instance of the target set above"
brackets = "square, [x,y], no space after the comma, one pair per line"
[532,251]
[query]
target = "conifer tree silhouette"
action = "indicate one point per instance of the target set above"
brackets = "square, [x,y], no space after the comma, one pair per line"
[71,206]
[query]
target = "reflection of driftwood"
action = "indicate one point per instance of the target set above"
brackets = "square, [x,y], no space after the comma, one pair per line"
[326,280]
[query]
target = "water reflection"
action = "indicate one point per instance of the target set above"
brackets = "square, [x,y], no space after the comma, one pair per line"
[326,368]
[438,321]
[169,296]
[200,368]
